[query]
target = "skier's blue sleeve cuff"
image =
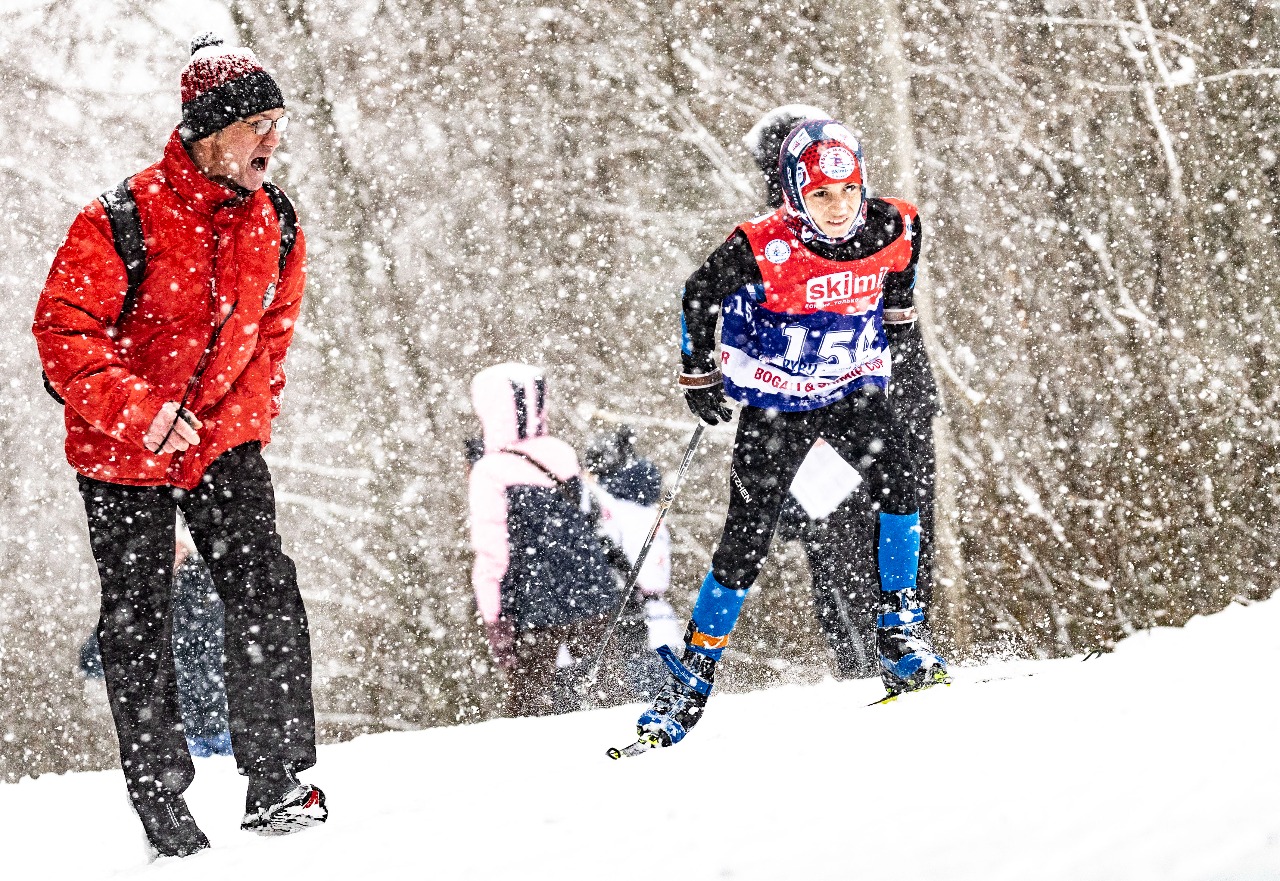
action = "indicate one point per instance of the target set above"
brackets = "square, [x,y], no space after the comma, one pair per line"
[686,344]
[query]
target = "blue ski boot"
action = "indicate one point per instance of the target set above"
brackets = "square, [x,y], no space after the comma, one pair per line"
[679,704]
[908,661]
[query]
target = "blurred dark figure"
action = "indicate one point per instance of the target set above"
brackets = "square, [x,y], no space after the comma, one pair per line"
[827,513]
[198,636]
[625,490]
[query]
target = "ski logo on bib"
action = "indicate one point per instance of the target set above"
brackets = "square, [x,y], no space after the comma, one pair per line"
[777,251]
[844,288]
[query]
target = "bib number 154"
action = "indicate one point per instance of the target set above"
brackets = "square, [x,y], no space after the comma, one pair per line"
[834,346]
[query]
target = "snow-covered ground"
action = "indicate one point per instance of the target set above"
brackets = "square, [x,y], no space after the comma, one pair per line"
[1158,761]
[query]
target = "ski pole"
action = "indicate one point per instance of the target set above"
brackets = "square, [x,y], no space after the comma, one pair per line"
[644,552]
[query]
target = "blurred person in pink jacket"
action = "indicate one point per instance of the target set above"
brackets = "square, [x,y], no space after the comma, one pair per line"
[543,586]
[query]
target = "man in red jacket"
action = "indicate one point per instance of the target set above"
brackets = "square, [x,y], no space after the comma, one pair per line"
[167,407]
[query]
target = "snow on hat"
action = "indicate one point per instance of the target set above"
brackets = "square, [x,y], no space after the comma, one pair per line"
[816,153]
[221,85]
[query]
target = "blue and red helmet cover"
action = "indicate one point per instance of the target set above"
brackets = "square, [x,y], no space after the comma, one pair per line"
[816,153]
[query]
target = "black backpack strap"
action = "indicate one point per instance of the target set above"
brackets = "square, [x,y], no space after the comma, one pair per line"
[288,220]
[612,552]
[565,487]
[126,231]
[126,235]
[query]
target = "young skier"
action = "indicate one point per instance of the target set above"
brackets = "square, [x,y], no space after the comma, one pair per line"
[803,294]
[835,520]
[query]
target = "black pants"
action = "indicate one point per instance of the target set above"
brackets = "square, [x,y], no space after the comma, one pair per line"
[767,452]
[842,557]
[232,518]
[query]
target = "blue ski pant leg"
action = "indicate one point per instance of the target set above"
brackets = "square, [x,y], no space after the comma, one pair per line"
[714,616]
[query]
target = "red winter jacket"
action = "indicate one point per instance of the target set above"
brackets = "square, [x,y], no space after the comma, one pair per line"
[208,251]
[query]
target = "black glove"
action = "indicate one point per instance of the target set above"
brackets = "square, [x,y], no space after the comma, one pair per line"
[703,387]
[709,403]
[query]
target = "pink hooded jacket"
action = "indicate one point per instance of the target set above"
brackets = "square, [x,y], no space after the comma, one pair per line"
[510,400]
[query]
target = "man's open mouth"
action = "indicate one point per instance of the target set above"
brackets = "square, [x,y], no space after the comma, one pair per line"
[259,163]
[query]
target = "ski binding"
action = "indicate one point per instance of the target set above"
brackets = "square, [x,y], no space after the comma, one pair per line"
[646,742]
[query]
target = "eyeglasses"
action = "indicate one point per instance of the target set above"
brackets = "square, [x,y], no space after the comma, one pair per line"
[262,126]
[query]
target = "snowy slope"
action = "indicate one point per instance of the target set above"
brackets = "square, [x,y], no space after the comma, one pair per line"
[1156,762]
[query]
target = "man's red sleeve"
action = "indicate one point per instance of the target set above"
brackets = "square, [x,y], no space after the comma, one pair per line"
[81,300]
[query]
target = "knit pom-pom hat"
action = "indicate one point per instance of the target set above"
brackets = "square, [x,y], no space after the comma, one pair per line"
[221,85]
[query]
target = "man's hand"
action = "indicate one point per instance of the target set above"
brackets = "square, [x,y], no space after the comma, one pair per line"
[183,434]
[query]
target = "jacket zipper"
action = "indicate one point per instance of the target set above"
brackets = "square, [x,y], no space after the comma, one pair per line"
[203,364]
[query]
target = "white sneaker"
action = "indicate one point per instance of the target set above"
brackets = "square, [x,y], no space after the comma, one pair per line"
[301,807]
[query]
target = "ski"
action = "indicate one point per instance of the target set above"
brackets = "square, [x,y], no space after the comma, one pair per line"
[944,679]
[998,678]
[640,747]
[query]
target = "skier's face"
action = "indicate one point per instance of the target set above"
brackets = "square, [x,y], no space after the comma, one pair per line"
[834,207]
[238,154]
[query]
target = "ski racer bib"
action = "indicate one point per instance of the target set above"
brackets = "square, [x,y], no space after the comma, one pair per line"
[813,331]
